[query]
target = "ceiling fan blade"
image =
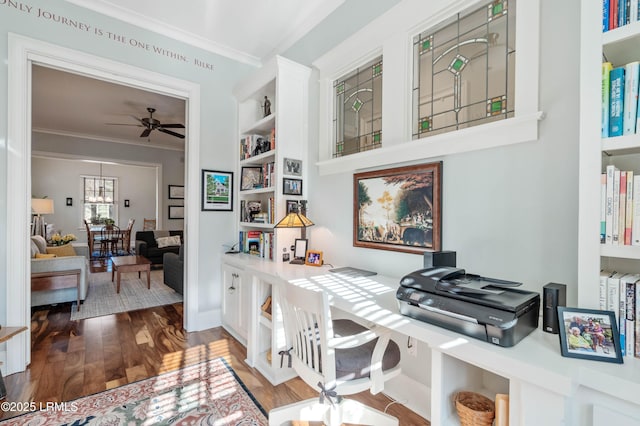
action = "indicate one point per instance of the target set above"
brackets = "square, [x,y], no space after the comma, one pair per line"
[138,119]
[173,126]
[122,124]
[145,133]
[169,132]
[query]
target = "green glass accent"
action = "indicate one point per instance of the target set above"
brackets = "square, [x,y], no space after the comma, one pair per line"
[426,45]
[340,88]
[377,137]
[497,9]
[425,125]
[357,104]
[377,69]
[496,106]
[458,64]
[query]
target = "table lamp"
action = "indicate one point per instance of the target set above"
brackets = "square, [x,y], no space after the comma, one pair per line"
[39,207]
[296,219]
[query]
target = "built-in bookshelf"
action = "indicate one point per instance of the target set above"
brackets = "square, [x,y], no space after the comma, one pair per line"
[609,156]
[272,117]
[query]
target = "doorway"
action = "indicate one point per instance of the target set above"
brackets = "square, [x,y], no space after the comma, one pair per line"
[23,53]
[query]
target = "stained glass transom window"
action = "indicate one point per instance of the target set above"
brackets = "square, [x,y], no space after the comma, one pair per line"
[357,116]
[464,70]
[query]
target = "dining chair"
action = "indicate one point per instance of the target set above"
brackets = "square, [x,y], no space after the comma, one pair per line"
[109,239]
[93,239]
[339,356]
[149,225]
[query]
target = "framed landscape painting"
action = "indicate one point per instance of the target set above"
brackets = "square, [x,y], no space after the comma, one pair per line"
[217,190]
[398,209]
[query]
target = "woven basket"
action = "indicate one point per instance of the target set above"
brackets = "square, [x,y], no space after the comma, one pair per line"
[474,409]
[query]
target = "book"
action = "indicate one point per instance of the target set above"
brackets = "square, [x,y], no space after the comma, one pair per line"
[622,12]
[637,322]
[613,14]
[613,293]
[630,106]
[615,220]
[622,207]
[610,171]
[605,16]
[616,87]
[606,97]
[635,224]
[630,314]
[604,277]
[629,213]
[633,11]
[603,208]
[625,280]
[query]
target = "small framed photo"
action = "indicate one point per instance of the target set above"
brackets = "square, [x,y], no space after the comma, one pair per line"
[69,201]
[217,190]
[313,258]
[292,206]
[176,212]
[251,178]
[176,192]
[292,167]
[291,186]
[300,248]
[589,334]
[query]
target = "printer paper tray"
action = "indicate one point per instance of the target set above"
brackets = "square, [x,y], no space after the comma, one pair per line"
[454,323]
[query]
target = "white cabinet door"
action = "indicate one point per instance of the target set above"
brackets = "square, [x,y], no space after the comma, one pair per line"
[234,303]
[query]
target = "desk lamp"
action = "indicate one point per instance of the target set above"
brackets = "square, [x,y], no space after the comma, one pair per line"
[40,206]
[296,218]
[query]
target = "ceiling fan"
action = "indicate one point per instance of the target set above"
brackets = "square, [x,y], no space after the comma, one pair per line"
[150,124]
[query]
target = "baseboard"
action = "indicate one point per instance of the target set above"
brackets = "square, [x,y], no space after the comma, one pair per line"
[412,394]
[207,319]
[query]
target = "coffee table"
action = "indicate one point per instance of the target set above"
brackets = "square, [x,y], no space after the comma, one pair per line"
[130,264]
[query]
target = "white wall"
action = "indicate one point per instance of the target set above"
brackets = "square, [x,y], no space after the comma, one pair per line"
[508,212]
[59,179]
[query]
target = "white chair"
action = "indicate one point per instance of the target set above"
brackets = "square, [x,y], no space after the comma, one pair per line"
[339,356]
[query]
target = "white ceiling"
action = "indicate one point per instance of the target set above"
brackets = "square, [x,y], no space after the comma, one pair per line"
[244,30]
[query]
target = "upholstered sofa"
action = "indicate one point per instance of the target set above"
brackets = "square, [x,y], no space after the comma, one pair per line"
[147,245]
[55,264]
[173,270]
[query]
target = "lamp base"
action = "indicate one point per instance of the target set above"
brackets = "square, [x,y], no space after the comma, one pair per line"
[297,262]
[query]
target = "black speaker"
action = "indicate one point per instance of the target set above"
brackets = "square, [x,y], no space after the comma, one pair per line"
[553,295]
[439,258]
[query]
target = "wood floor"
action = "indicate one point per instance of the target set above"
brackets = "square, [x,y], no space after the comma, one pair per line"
[71,359]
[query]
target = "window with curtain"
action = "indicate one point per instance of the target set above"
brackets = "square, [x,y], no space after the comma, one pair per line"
[100,199]
[357,113]
[464,70]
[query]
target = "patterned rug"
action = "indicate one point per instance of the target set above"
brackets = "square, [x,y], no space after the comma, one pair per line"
[102,298]
[209,393]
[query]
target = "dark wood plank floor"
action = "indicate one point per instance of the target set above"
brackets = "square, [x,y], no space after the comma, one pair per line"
[71,359]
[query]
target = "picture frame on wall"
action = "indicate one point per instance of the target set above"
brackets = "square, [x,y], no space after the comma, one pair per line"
[176,192]
[217,190]
[589,334]
[292,206]
[398,209]
[176,212]
[291,186]
[292,167]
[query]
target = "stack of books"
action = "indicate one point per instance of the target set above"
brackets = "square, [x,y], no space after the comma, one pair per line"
[620,293]
[620,207]
[618,13]
[620,99]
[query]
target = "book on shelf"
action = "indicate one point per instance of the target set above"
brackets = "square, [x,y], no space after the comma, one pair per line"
[613,293]
[604,277]
[603,208]
[606,97]
[616,106]
[635,225]
[622,220]
[610,171]
[605,16]
[613,14]
[629,210]
[615,220]
[623,11]
[630,105]
[637,322]
[630,313]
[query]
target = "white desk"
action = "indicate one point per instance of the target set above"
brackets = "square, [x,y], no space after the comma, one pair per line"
[533,372]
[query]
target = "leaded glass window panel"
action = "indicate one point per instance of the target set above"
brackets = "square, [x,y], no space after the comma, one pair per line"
[357,116]
[464,70]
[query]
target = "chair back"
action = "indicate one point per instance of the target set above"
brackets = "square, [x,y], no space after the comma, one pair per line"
[126,243]
[308,327]
[149,225]
[110,233]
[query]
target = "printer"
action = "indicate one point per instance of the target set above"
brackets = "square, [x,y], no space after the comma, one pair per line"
[488,309]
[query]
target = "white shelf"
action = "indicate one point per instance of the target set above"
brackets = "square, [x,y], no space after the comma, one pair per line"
[258,225]
[620,45]
[263,125]
[623,252]
[259,159]
[621,145]
[265,321]
[258,191]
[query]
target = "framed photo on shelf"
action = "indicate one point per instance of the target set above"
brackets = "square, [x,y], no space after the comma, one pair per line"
[292,167]
[176,192]
[217,190]
[292,206]
[589,334]
[176,212]
[291,186]
[398,209]
[313,258]
[250,178]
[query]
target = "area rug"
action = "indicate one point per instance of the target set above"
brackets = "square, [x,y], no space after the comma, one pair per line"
[209,393]
[102,298]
